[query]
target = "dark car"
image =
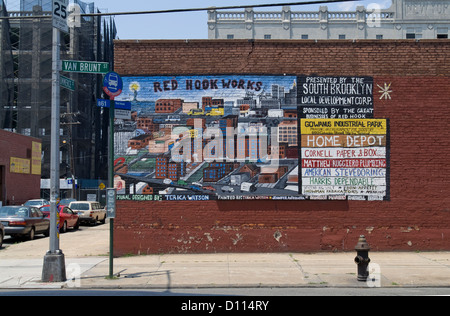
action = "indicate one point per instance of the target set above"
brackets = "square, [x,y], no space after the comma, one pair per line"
[24,221]
[2,234]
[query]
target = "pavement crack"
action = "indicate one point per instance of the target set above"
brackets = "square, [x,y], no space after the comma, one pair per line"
[305,275]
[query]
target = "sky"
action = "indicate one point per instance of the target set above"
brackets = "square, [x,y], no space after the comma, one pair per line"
[191,25]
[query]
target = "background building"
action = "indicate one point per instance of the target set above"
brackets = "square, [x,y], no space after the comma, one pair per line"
[25,84]
[404,19]
[20,168]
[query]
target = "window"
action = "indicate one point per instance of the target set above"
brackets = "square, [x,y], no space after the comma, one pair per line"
[442,32]
[412,33]
[341,36]
[304,36]
[379,36]
[230,36]
[267,36]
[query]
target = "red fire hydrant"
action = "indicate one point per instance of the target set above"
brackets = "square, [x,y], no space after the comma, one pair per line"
[362,258]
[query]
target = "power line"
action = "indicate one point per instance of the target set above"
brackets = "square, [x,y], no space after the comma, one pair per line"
[187,10]
[220,8]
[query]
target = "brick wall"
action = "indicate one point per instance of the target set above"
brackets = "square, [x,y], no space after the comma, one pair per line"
[417,217]
[17,188]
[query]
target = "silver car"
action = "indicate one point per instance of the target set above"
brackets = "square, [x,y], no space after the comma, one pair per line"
[227,189]
[2,234]
[24,221]
[36,202]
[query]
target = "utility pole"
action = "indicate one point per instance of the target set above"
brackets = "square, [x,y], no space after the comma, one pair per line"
[54,269]
[69,125]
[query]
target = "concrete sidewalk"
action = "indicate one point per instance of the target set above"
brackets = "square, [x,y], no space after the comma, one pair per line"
[390,269]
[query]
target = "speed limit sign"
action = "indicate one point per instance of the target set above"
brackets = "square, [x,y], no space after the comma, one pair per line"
[60,14]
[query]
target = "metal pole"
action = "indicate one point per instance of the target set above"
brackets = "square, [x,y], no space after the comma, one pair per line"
[54,156]
[111,184]
[54,267]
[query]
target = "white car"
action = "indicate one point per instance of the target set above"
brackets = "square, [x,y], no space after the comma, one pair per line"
[89,211]
[227,189]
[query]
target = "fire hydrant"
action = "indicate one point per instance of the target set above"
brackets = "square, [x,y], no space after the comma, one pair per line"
[362,258]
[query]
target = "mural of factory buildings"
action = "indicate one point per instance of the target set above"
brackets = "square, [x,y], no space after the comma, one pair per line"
[213,146]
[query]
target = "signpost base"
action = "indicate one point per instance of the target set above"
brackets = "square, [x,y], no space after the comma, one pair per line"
[54,269]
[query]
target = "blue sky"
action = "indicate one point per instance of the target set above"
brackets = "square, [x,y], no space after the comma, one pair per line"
[191,25]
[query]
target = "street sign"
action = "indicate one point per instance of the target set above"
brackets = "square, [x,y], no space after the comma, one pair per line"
[122,105]
[67,83]
[91,67]
[103,103]
[59,15]
[112,84]
[122,114]
[111,202]
[122,109]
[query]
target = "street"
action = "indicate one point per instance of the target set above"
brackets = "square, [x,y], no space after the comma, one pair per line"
[86,241]
[214,275]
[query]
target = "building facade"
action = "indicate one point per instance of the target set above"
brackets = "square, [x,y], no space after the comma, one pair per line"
[404,19]
[410,89]
[25,81]
[20,168]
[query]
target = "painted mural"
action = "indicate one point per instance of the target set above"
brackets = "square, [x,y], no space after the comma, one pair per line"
[227,136]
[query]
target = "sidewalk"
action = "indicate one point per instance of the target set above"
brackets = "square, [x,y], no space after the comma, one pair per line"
[392,269]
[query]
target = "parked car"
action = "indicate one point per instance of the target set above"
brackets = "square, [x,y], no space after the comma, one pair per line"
[36,202]
[88,211]
[2,234]
[248,187]
[24,221]
[195,187]
[227,188]
[67,217]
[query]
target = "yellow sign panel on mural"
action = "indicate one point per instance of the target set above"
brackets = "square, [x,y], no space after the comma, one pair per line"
[343,126]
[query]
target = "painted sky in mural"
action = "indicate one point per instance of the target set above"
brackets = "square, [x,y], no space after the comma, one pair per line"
[193,88]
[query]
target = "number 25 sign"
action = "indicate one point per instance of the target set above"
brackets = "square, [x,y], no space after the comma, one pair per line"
[59,15]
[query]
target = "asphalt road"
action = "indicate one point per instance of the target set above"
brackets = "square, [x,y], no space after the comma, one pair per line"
[86,241]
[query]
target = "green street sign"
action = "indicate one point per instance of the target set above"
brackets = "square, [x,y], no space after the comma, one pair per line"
[67,83]
[92,67]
